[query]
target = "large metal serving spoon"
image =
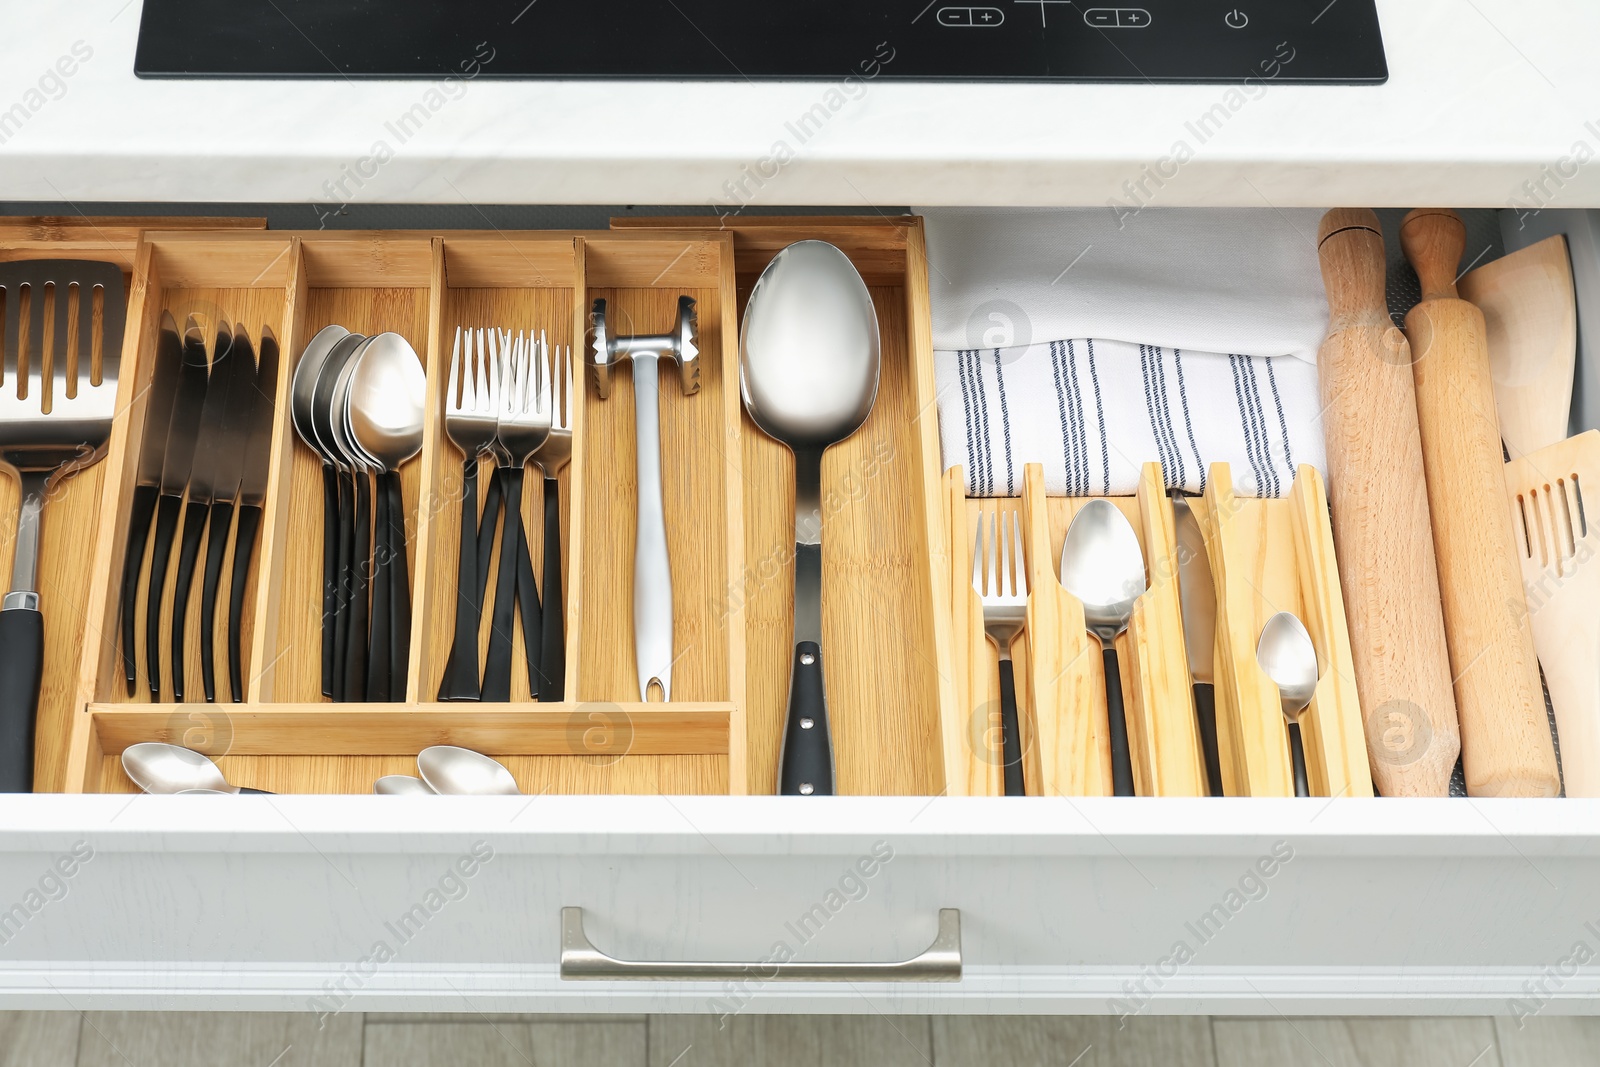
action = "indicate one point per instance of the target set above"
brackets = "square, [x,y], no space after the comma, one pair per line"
[1102,565]
[156,767]
[302,401]
[1287,657]
[809,356]
[463,772]
[384,415]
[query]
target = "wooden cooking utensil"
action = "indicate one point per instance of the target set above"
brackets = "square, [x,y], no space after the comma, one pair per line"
[1532,318]
[1505,735]
[1379,501]
[1559,543]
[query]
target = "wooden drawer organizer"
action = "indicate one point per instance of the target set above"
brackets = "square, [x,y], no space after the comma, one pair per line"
[727,492]
[1266,556]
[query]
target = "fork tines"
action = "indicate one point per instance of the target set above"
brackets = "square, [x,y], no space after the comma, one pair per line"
[998,571]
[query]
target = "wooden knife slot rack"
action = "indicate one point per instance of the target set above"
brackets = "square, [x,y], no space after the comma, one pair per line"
[728,517]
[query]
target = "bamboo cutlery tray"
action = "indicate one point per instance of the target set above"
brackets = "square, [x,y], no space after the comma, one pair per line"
[727,513]
[1265,555]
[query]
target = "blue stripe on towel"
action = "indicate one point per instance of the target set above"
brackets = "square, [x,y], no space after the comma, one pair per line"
[986,450]
[1245,421]
[1061,410]
[1100,417]
[1150,406]
[1173,479]
[1005,422]
[1253,391]
[969,408]
[1080,432]
[1283,423]
[1188,420]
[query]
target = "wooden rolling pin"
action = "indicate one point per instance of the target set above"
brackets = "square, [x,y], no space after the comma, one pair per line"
[1378,497]
[1505,735]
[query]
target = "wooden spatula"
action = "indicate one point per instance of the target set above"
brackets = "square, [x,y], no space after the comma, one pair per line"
[1532,318]
[1555,506]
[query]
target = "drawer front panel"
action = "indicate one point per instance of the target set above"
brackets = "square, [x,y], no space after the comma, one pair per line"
[295,904]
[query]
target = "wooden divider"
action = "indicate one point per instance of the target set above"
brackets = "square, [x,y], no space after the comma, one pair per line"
[1271,555]
[519,283]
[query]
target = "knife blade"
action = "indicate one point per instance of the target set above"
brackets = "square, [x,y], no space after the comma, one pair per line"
[208,444]
[228,438]
[1197,599]
[252,494]
[158,401]
[182,429]
[258,450]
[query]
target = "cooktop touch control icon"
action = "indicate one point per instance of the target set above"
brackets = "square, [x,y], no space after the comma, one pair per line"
[980,17]
[1117,18]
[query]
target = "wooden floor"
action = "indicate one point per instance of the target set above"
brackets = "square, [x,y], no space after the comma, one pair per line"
[195,1039]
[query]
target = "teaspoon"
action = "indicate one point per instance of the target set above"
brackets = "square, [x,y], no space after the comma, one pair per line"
[157,767]
[1287,657]
[1103,566]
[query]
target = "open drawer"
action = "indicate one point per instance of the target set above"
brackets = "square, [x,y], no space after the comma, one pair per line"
[324,902]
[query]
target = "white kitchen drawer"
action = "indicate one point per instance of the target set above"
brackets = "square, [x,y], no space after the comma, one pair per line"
[1067,905]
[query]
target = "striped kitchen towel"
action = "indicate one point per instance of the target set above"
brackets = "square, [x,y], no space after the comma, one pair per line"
[1094,411]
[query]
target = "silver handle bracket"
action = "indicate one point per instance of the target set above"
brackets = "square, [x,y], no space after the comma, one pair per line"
[940,962]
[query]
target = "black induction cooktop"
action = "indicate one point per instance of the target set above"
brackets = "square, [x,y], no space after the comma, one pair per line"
[1003,40]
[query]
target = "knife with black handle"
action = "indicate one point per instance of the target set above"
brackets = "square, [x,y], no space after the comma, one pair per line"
[202,489]
[1197,597]
[230,461]
[158,403]
[252,496]
[182,433]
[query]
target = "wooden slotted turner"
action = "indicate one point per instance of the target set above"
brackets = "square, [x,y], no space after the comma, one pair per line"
[1555,506]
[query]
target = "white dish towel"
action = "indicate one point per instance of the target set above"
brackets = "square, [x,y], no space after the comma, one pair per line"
[1184,336]
[1093,412]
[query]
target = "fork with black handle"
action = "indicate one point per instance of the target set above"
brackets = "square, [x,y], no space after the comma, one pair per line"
[472,402]
[1000,578]
[553,457]
[523,425]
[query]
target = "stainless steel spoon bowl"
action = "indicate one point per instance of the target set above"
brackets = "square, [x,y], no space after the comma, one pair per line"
[303,410]
[462,772]
[1287,656]
[383,395]
[401,785]
[1103,566]
[809,359]
[387,400]
[303,391]
[157,767]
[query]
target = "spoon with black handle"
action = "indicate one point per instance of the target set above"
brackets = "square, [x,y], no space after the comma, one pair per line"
[1103,566]
[809,355]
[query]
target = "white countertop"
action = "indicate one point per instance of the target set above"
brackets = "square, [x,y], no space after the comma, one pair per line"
[1483,95]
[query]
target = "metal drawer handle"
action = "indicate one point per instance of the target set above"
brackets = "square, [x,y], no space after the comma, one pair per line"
[941,962]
